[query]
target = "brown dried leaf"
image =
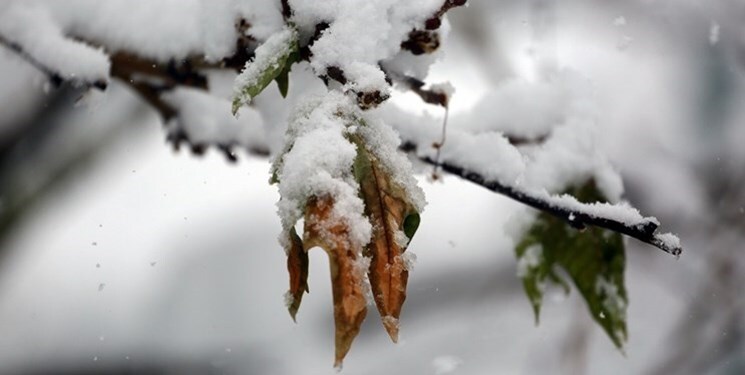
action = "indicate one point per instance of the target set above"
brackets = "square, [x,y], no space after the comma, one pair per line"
[387,208]
[297,266]
[331,234]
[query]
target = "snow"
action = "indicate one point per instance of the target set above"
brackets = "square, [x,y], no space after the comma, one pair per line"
[446,88]
[319,163]
[489,154]
[165,29]
[612,300]
[361,267]
[670,240]
[383,142]
[530,259]
[409,260]
[401,239]
[390,321]
[570,156]
[714,33]
[621,212]
[560,109]
[206,119]
[289,299]
[360,31]
[520,108]
[446,364]
[46,44]
[276,111]
[365,77]
[493,157]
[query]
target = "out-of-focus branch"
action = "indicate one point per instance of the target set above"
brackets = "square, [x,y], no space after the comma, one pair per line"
[416,86]
[286,10]
[434,22]
[150,79]
[54,76]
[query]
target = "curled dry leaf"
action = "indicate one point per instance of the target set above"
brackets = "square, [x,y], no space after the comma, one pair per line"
[394,222]
[297,266]
[347,277]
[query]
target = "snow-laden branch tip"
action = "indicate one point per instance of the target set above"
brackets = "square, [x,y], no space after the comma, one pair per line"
[616,217]
[480,151]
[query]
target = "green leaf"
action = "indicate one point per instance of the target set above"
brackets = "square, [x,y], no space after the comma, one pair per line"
[411,224]
[283,83]
[283,79]
[271,60]
[594,259]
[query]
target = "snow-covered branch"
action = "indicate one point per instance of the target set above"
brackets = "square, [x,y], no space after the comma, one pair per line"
[486,151]
[618,218]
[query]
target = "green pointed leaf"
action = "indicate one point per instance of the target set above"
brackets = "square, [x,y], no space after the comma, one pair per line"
[593,258]
[411,224]
[283,79]
[271,59]
[283,83]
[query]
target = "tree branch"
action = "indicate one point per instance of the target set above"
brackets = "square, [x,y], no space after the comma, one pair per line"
[644,230]
[416,86]
[149,79]
[434,22]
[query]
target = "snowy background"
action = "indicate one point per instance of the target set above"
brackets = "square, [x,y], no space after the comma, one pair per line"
[130,257]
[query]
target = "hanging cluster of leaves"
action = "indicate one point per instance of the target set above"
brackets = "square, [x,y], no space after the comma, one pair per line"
[593,258]
[381,262]
[354,206]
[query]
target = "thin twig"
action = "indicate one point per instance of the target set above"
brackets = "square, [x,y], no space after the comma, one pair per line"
[417,87]
[645,230]
[438,146]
